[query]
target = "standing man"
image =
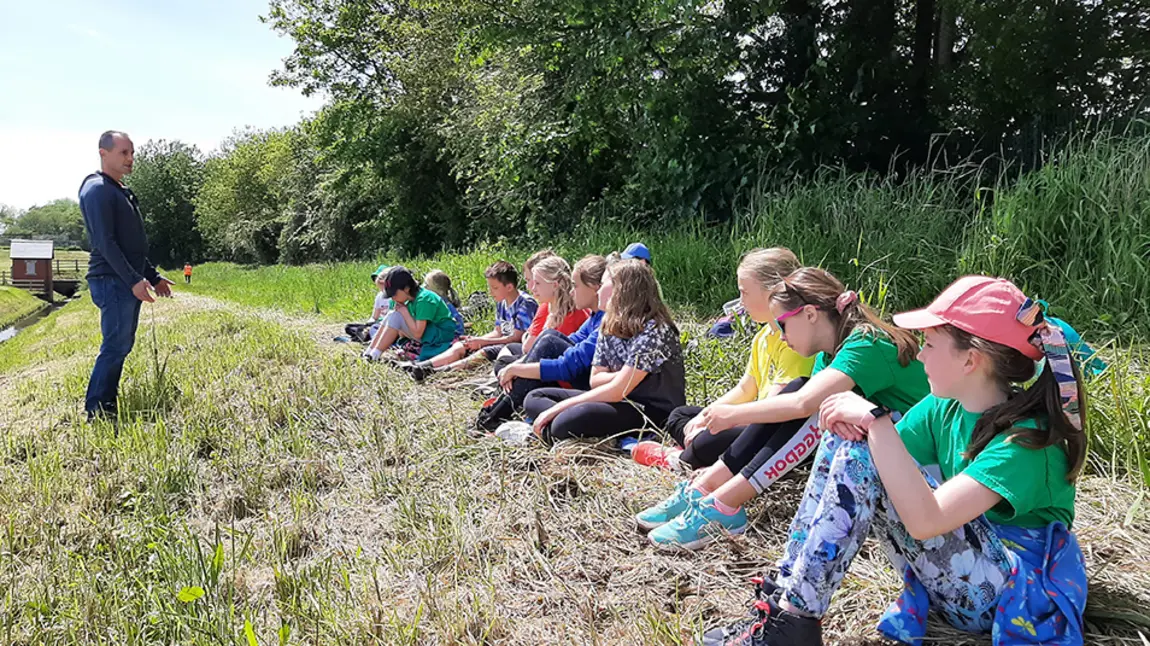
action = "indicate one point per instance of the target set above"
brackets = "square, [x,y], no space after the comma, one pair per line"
[188,273]
[120,276]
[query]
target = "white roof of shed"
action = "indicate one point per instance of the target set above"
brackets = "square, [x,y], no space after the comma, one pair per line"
[32,250]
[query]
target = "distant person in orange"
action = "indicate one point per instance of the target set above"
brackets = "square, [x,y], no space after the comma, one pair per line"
[188,273]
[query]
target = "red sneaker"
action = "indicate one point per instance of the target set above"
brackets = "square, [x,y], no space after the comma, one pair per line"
[653,454]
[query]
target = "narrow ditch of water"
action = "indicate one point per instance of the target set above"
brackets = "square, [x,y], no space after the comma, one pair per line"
[15,328]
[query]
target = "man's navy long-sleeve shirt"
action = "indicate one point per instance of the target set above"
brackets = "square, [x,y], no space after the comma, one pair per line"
[115,231]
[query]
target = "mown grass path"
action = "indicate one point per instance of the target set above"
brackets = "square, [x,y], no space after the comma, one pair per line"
[262,473]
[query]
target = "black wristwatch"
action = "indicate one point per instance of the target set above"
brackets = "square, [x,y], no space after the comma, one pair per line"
[879,411]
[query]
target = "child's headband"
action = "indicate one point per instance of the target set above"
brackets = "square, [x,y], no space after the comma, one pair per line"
[1051,341]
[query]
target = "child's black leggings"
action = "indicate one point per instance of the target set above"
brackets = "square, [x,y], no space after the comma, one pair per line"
[706,449]
[593,419]
[763,453]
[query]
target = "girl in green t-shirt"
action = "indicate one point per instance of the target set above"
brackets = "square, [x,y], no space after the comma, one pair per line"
[420,320]
[771,366]
[853,349]
[989,549]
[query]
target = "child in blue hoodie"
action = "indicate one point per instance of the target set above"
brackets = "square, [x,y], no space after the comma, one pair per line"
[556,359]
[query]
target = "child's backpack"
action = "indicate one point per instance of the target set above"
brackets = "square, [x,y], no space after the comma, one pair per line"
[479,305]
[358,332]
[495,411]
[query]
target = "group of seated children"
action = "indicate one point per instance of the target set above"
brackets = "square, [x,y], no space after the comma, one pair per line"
[936,449]
[418,321]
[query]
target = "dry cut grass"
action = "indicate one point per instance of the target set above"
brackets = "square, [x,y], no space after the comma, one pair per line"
[263,477]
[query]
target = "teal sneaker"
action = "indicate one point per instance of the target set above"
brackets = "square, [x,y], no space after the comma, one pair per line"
[699,525]
[669,509]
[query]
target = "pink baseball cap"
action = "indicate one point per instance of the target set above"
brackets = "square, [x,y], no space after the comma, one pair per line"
[980,305]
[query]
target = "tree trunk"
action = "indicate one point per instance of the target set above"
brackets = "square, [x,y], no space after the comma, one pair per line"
[944,49]
[923,38]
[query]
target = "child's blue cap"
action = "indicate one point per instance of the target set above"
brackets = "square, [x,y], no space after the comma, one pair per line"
[636,250]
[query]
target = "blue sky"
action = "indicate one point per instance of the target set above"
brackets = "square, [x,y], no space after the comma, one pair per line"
[160,69]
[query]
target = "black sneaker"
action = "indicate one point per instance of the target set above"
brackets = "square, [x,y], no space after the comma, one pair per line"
[768,625]
[765,587]
[419,370]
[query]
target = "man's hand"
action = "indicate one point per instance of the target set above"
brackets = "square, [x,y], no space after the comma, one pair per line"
[164,288]
[140,291]
[471,344]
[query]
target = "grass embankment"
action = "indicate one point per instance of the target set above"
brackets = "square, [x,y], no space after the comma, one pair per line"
[263,475]
[16,304]
[1120,399]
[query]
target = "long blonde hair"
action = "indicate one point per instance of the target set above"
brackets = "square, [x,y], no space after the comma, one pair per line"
[769,266]
[440,283]
[634,301]
[554,270]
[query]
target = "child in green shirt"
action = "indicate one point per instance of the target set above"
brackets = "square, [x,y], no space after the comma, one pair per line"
[771,366]
[988,544]
[853,350]
[420,318]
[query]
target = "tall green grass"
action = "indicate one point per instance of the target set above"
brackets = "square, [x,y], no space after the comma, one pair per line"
[1079,230]
[1075,233]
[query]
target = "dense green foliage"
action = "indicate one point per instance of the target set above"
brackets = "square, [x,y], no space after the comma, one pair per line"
[166,178]
[59,220]
[452,123]
[470,120]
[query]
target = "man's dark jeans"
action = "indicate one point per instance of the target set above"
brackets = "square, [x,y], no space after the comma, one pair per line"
[119,317]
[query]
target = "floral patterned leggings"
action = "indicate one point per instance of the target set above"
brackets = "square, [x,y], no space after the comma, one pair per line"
[963,572]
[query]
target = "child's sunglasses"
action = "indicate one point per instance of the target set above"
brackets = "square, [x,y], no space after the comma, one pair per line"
[779,321]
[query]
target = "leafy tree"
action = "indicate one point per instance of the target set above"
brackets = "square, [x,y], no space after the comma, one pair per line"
[59,220]
[240,208]
[452,121]
[8,215]
[166,178]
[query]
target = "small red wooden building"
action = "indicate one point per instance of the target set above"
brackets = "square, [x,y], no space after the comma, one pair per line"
[32,266]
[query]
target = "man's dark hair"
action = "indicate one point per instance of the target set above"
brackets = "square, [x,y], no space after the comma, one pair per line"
[504,272]
[108,139]
[397,278]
